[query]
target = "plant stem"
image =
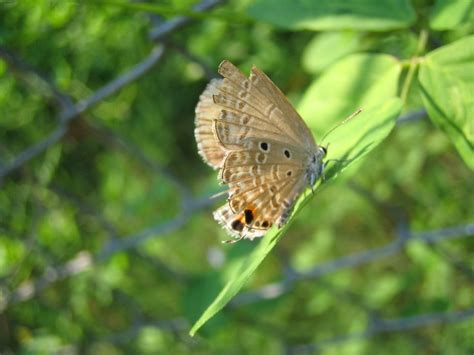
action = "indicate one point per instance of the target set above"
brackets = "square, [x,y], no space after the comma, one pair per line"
[413,65]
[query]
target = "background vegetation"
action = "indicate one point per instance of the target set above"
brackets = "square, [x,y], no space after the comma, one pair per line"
[107,243]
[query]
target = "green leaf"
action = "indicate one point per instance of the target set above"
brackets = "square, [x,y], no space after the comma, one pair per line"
[328,47]
[325,15]
[351,141]
[246,269]
[201,291]
[366,81]
[447,81]
[450,14]
[357,81]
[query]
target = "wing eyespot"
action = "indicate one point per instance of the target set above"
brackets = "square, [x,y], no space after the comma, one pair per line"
[248,214]
[237,225]
[264,146]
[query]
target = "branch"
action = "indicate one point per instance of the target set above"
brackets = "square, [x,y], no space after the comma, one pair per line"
[115,85]
[209,72]
[132,149]
[275,290]
[164,29]
[33,151]
[85,209]
[460,265]
[82,262]
[33,77]
[389,249]
[389,325]
[75,111]
[86,260]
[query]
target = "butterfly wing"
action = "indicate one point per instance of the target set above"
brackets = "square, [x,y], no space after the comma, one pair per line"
[260,94]
[261,145]
[259,208]
[254,206]
[263,186]
[206,111]
[285,111]
[254,103]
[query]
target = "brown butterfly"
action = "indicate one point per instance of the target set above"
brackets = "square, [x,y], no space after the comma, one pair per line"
[265,153]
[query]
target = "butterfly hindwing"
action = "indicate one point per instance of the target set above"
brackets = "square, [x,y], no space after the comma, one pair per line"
[253,210]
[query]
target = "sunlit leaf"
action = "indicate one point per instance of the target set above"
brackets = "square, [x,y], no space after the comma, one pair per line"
[328,47]
[449,14]
[335,15]
[357,81]
[447,80]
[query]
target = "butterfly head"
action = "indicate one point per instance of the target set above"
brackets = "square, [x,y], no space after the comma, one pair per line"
[316,164]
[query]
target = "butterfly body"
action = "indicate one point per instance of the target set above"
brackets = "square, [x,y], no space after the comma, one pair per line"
[265,153]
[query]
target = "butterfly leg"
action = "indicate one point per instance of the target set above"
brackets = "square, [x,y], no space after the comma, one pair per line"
[232,241]
[323,175]
[243,236]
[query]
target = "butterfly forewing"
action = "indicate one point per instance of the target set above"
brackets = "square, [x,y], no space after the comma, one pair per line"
[257,96]
[285,110]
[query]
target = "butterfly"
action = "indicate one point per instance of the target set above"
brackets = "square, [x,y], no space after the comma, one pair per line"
[264,151]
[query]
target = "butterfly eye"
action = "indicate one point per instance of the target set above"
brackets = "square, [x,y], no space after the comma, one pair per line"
[324,149]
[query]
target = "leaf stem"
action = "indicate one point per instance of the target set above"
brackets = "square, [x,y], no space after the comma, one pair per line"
[423,38]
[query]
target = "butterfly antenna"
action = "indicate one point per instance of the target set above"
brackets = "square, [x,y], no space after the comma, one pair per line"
[352,115]
[218,194]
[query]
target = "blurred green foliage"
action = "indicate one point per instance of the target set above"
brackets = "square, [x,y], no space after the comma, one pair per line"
[63,212]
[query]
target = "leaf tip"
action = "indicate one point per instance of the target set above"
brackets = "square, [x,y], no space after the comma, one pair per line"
[194,330]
